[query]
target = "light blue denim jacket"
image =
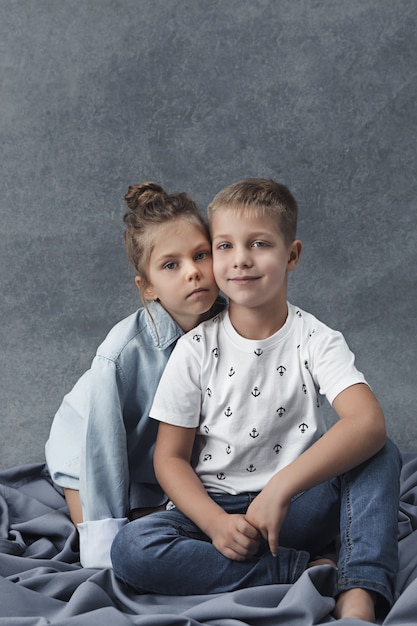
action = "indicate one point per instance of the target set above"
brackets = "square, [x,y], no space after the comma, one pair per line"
[102,440]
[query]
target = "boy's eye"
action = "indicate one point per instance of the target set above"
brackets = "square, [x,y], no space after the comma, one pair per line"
[170,266]
[224,246]
[259,244]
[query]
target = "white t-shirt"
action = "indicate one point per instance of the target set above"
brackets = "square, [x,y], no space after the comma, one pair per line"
[255,403]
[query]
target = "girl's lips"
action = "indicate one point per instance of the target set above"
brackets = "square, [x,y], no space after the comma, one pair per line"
[196,292]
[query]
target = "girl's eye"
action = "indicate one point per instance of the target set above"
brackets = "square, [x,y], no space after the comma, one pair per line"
[170,266]
[200,256]
[223,246]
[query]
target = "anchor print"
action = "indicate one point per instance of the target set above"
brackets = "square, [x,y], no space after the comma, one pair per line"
[228,412]
[254,433]
[228,450]
[251,468]
[255,392]
[306,364]
[215,353]
[209,392]
[277,448]
[197,337]
[280,411]
[303,427]
[258,351]
[304,388]
[206,429]
[281,370]
[298,313]
[232,371]
[207,457]
[221,476]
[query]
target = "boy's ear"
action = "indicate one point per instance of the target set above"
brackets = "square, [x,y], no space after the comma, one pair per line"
[145,290]
[294,254]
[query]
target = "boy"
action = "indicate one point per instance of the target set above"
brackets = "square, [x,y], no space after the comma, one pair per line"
[242,449]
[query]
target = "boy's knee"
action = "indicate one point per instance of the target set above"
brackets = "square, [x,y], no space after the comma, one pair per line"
[126,558]
[119,547]
[134,541]
[391,451]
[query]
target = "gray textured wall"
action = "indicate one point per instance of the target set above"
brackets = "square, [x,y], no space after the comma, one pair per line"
[99,94]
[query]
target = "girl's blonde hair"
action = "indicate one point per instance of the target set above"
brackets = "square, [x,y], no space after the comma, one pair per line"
[149,206]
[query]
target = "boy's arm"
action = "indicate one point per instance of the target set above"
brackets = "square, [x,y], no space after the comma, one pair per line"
[231,535]
[358,435]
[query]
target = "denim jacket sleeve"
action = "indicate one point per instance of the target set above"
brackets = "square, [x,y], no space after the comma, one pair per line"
[96,538]
[104,465]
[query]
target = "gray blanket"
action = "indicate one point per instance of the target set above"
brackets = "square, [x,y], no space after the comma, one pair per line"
[42,582]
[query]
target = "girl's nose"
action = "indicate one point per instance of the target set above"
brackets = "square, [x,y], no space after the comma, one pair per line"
[193,271]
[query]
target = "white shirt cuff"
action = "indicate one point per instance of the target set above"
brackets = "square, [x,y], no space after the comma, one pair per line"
[96,537]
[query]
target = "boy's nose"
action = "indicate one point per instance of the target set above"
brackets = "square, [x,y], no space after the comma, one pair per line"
[241,258]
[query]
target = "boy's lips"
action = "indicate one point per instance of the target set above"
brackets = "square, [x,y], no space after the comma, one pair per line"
[243,279]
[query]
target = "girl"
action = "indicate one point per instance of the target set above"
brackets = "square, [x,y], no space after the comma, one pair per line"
[100,448]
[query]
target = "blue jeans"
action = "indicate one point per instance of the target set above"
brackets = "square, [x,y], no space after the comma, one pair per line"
[358,510]
[166,552]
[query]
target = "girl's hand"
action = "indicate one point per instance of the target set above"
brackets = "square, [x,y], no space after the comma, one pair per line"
[267,513]
[234,537]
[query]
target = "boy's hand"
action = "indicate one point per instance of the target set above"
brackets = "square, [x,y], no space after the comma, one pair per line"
[235,538]
[267,513]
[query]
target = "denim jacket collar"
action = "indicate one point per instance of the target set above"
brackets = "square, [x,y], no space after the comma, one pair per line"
[162,328]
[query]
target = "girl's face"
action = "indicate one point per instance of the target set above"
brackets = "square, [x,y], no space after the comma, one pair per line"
[180,272]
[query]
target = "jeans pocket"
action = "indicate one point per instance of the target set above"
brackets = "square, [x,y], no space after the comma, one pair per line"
[191,531]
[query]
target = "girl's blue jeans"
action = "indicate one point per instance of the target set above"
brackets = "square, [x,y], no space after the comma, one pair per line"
[166,552]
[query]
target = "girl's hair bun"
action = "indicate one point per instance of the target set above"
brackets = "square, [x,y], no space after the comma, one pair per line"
[148,192]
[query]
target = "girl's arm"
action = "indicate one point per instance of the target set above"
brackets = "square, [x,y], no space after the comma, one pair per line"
[231,535]
[358,435]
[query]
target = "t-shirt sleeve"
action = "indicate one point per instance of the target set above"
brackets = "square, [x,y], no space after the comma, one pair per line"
[332,363]
[178,397]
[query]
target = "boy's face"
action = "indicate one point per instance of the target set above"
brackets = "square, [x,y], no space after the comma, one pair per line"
[251,259]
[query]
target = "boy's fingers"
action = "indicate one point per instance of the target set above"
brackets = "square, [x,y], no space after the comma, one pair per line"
[273,544]
[274,552]
[247,529]
[249,544]
[252,532]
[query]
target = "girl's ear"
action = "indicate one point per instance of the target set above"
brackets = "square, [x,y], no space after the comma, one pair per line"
[146,291]
[294,254]
[138,283]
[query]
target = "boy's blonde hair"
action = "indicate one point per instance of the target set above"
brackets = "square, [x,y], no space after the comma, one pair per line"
[259,196]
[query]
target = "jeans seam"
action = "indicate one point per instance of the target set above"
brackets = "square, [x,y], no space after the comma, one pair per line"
[301,564]
[365,583]
[347,530]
